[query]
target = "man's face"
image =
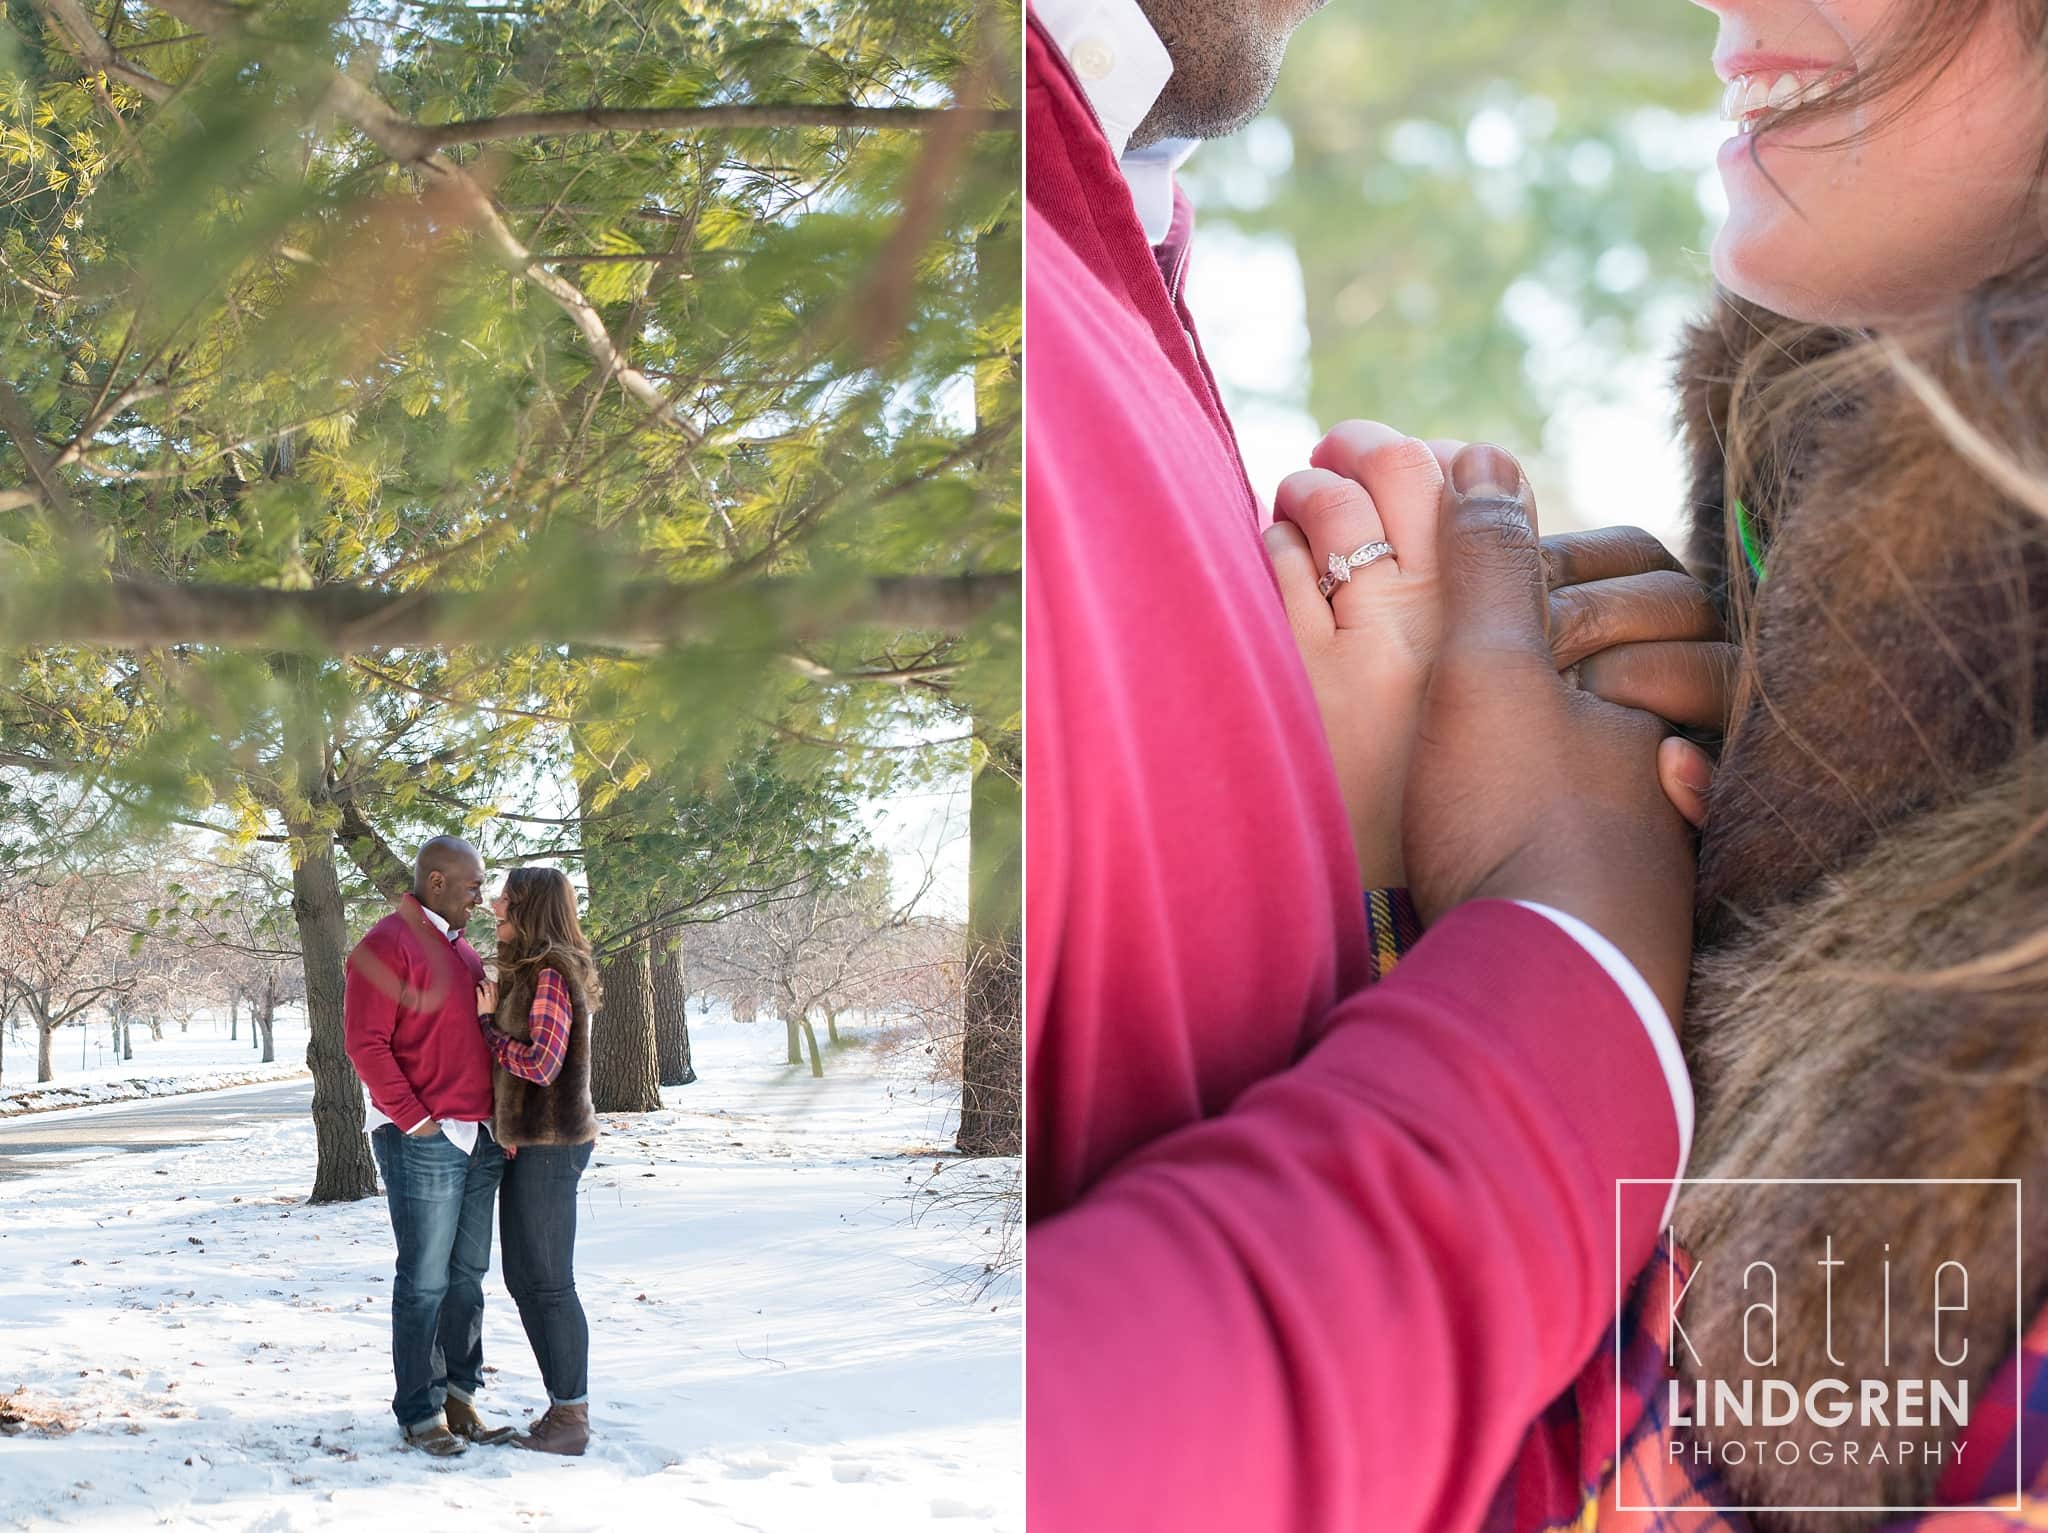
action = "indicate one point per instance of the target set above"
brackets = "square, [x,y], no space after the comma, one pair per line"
[453,894]
[1226,56]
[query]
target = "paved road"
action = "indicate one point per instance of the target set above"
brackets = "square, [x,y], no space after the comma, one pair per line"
[157,1124]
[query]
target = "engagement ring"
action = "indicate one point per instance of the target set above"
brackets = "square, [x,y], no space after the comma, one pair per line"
[1342,565]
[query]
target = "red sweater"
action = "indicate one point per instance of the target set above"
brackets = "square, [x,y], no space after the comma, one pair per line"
[1304,1254]
[410,1021]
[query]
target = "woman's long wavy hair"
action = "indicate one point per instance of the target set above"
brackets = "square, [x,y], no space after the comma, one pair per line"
[1795,377]
[540,903]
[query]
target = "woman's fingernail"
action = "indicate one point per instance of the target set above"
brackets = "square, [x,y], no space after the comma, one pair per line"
[1483,471]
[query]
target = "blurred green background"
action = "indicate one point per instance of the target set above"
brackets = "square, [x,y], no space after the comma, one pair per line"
[1472,218]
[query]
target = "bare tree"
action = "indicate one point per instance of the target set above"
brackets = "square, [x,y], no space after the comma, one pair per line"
[62,935]
[235,922]
[811,953]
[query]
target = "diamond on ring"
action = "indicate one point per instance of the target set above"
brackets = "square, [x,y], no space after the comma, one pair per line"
[1341,565]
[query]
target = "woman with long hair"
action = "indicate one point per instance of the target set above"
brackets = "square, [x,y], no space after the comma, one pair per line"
[1866,410]
[536,1016]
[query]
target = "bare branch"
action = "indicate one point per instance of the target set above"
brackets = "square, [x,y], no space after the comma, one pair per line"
[15,420]
[98,52]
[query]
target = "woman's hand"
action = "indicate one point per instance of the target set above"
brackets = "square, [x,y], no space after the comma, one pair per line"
[1369,644]
[487,998]
[1636,629]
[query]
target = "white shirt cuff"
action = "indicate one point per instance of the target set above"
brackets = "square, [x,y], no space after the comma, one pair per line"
[1663,1037]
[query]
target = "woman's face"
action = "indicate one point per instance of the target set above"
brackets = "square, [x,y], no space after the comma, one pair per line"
[1940,199]
[501,907]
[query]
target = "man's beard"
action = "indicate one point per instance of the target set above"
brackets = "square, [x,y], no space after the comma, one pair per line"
[1226,59]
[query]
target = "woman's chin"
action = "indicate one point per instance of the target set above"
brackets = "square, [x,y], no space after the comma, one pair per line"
[1751,264]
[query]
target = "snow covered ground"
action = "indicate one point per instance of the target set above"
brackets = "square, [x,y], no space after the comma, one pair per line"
[86,1068]
[777,1343]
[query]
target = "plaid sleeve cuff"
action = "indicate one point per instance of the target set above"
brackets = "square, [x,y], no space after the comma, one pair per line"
[1391,928]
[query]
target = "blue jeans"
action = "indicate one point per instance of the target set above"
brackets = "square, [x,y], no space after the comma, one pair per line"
[441,1212]
[537,1220]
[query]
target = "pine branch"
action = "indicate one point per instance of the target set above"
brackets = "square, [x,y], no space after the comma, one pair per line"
[691,119]
[407,143]
[131,613]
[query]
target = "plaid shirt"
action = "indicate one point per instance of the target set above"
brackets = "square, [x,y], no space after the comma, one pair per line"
[1564,1480]
[1391,928]
[539,1058]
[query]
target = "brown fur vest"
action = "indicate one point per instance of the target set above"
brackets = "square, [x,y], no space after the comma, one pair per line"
[524,1113]
[1872,824]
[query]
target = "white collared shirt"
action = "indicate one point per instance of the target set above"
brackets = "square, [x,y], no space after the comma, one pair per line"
[461,1132]
[1123,66]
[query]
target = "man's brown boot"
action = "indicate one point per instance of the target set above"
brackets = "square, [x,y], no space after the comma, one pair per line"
[463,1421]
[435,1438]
[564,1429]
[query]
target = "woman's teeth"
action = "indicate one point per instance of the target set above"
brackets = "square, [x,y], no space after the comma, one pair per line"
[1748,97]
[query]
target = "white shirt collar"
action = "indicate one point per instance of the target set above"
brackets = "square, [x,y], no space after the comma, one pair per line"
[435,917]
[1122,66]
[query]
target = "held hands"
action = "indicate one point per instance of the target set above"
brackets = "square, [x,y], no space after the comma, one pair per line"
[1625,622]
[1503,689]
[1524,786]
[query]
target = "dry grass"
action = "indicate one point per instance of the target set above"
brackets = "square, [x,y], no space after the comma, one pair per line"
[20,1412]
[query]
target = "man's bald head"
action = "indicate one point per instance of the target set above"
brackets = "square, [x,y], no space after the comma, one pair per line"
[448,878]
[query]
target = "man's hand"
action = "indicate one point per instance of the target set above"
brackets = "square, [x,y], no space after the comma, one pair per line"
[1642,632]
[1523,787]
[425,1130]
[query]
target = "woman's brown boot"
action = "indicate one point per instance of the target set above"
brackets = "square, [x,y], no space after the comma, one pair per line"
[463,1421]
[564,1429]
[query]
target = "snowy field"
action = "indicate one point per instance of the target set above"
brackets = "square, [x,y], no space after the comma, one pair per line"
[776,1342]
[85,1068]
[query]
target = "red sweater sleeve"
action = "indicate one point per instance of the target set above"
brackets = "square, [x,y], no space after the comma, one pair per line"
[1340,1303]
[369,1012]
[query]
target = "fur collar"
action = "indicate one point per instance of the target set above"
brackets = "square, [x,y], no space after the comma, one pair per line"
[1869,826]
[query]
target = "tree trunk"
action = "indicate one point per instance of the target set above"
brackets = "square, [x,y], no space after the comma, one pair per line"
[671,1025]
[811,1039]
[265,1020]
[45,1032]
[992,1037]
[234,1013]
[796,1043]
[623,1076]
[832,1024]
[127,1040]
[344,1170]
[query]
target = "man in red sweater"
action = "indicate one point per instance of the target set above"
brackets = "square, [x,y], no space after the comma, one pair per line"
[1305,1253]
[411,1028]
